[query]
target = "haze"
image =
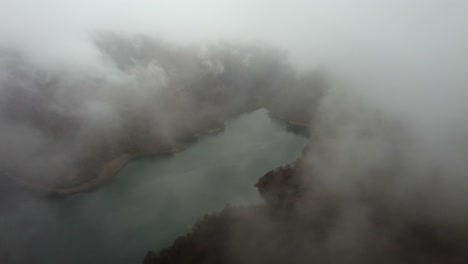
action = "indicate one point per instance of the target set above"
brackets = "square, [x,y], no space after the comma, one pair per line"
[405,59]
[412,54]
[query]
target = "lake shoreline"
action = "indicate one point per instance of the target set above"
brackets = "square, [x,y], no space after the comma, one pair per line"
[111,168]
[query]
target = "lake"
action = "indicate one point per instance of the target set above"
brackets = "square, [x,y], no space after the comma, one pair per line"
[150,201]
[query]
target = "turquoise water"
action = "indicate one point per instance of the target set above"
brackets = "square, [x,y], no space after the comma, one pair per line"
[153,200]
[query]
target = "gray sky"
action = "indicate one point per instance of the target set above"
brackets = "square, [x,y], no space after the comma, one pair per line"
[310,29]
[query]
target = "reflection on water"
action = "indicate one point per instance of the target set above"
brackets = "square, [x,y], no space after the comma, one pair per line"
[152,201]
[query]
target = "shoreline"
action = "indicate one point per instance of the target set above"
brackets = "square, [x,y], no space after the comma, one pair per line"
[109,169]
[289,121]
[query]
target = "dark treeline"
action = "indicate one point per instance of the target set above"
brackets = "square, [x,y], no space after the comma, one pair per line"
[363,191]
[308,219]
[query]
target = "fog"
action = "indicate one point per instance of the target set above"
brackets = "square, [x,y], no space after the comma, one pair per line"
[92,73]
[404,52]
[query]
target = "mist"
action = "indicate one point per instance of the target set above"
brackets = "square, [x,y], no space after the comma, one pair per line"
[82,82]
[403,52]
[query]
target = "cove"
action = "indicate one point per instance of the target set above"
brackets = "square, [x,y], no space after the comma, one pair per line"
[153,200]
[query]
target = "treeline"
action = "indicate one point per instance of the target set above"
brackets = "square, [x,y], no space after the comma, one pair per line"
[61,125]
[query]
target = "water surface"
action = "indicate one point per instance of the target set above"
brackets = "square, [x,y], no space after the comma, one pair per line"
[150,201]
